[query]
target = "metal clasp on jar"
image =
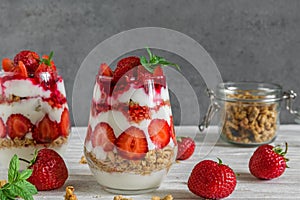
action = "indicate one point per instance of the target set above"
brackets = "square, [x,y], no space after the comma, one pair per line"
[212,110]
[289,97]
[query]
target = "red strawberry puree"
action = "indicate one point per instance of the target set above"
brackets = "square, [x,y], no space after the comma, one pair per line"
[33,107]
[130,143]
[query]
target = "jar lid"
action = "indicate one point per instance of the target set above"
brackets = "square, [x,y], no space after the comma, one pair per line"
[249,92]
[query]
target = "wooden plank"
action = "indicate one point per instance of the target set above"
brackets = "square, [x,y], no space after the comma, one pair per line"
[248,187]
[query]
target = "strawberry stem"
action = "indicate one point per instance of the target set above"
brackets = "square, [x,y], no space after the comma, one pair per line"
[220,161]
[24,160]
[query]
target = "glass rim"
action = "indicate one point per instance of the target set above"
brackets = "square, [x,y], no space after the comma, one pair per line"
[258,91]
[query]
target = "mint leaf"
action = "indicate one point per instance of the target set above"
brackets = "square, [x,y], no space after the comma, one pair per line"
[14,166]
[17,185]
[155,61]
[30,189]
[48,60]
[25,174]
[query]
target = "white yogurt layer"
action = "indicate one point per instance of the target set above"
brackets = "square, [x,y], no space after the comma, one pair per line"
[119,181]
[34,109]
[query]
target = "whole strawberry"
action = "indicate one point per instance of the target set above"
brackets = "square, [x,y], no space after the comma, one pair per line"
[268,162]
[186,147]
[212,180]
[30,59]
[49,170]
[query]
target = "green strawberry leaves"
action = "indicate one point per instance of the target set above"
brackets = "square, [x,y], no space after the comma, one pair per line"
[17,185]
[154,61]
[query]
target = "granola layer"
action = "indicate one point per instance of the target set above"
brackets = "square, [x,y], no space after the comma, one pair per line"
[155,160]
[17,143]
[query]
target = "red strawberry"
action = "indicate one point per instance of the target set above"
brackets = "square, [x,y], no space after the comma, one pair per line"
[268,162]
[46,131]
[2,129]
[49,170]
[212,180]
[103,136]
[105,70]
[186,148]
[30,59]
[172,131]
[65,123]
[124,65]
[159,131]
[18,125]
[7,64]
[132,144]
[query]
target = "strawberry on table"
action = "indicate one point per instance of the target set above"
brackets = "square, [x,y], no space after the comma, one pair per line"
[103,136]
[186,147]
[159,131]
[49,170]
[18,125]
[268,162]
[212,180]
[30,59]
[46,131]
[132,144]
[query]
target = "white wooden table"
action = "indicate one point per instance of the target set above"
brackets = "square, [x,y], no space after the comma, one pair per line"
[248,187]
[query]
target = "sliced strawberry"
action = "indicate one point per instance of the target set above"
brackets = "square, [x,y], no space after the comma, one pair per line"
[124,65]
[18,125]
[7,64]
[103,136]
[65,123]
[30,59]
[2,129]
[46,131]
[88,134]
[105,70]
[172,130]
[159,131]
[20,70]
[158,71]
[132,144]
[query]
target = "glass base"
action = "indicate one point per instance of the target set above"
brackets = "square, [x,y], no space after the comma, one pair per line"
[253,144]
[129,192]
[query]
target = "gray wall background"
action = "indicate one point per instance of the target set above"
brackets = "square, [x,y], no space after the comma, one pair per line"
[257,40]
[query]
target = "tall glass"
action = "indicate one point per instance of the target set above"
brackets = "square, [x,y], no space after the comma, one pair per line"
[130,143]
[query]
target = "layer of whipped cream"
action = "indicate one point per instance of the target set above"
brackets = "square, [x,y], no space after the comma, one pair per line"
[26,88]
[34,109]
[135,94]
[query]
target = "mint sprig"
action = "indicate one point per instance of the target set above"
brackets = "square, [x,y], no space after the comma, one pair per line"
[155,61]
[48,60]
[17,185]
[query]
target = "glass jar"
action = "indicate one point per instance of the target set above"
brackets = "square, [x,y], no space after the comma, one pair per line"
[248,112]
[130,143]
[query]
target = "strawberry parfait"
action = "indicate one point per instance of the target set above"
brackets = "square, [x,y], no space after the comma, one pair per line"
[33,106]
[130,143]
